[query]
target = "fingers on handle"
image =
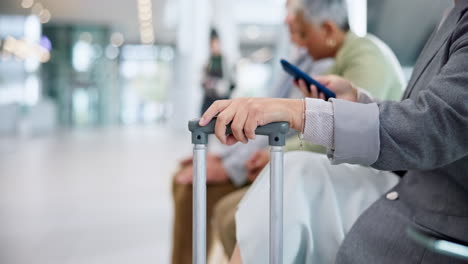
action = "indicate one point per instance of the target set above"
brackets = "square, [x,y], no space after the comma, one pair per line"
[251,124]
[224,118]
[213,110]
[238,123]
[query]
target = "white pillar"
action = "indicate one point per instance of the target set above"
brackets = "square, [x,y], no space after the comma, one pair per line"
[224,21]
[357,11]
[192,54]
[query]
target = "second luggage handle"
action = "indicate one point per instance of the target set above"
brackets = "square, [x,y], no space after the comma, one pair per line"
[276,133]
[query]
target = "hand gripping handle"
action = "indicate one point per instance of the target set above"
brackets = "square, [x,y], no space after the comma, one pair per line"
[276,132]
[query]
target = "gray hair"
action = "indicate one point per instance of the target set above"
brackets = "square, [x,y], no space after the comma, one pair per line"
[317,11]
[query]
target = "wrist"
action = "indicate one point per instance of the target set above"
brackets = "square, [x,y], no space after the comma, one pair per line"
[296,114]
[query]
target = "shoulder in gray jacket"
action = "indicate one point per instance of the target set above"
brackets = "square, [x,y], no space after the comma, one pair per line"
[427,134]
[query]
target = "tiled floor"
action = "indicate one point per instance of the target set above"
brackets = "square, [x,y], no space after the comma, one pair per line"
[99,196]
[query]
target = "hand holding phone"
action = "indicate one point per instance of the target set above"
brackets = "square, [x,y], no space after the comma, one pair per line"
[300,75]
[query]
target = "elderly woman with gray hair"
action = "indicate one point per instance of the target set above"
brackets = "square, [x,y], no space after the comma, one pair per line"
[424,134]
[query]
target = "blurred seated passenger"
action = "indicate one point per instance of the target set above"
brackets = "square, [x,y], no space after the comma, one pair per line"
[322,29]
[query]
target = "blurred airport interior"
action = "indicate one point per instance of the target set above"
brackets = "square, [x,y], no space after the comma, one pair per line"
[94,101]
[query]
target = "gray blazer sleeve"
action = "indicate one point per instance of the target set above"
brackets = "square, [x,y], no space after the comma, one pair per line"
[355,132]
[431,129]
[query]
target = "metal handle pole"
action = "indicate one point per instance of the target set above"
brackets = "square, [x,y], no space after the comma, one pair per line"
[276,205]
[199,205]
[276,133]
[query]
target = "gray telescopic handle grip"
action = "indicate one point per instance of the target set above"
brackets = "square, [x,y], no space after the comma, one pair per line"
[276,132]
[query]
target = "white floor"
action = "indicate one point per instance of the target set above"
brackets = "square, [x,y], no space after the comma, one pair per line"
[99,196]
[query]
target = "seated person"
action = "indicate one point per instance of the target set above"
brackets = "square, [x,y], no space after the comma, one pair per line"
[424,134]
[365,61]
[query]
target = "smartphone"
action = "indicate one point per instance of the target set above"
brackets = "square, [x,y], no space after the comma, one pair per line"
[298,74]
[439,244]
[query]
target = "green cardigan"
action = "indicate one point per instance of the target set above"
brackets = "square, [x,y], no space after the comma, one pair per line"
[371,65]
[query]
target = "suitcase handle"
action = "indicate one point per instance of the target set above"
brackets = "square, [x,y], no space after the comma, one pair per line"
[276,132]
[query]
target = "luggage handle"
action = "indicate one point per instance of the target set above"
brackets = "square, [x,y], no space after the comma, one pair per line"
[276,133]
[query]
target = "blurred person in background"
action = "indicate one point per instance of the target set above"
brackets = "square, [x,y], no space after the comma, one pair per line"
[226,170]
[321,28]
[217,80]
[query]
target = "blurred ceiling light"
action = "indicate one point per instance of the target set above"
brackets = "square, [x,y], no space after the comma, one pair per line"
[45,57]
[117,39]
[86,37]
[147,31]
[21,50]
[147,39]
[148,34]
[145,18]
[144,3]
[146,24]
[9,44]
[27,3]
[24,49]
[252,32]
[32,29]
[82,56]
[45,43]
[146,15]
[45,16]
[37,9]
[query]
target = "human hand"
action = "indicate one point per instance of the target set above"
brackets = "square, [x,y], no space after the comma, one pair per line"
[256,163]
[343,88]
[246,114]
[215,171]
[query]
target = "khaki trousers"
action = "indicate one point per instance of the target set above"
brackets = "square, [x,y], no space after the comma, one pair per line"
[224,219]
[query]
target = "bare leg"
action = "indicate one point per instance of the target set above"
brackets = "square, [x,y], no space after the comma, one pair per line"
[236,257]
